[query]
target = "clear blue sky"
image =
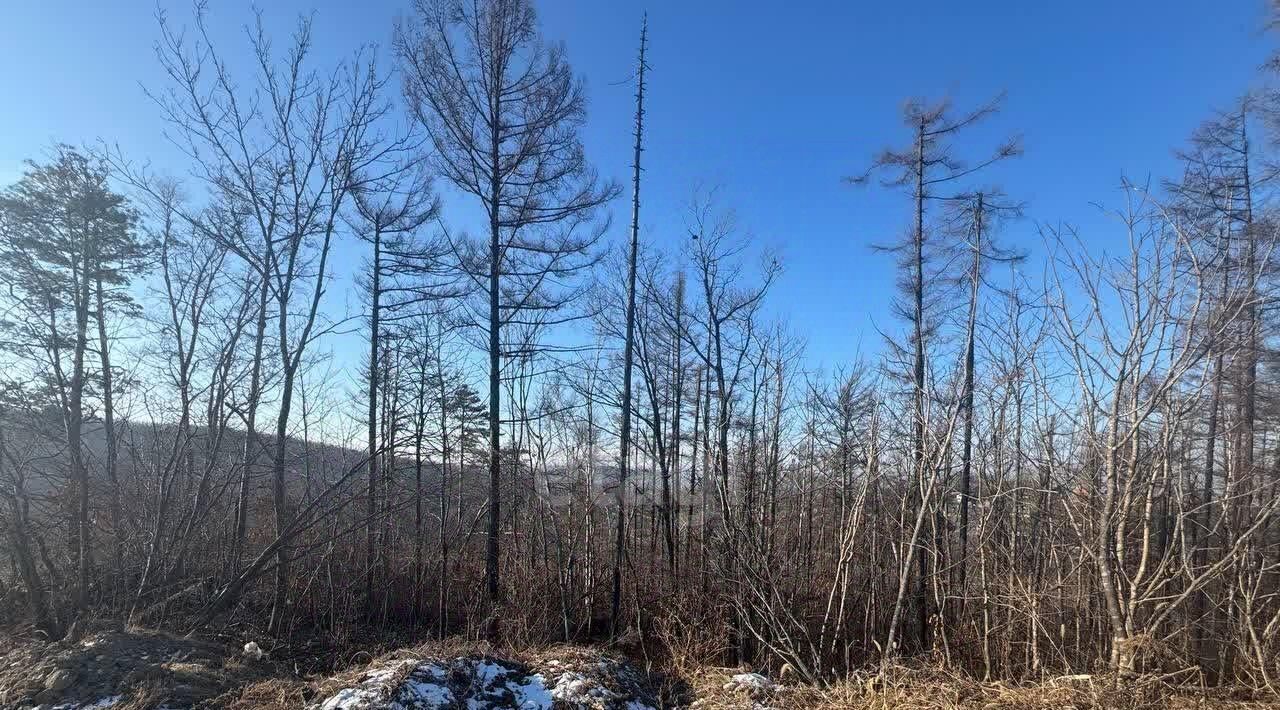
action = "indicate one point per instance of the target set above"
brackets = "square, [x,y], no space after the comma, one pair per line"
[775,102]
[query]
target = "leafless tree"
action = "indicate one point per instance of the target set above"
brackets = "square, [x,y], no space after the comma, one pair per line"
[931,170]
[503,111]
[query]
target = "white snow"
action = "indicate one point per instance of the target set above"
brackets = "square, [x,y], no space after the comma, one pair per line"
[751,682]
[532,694]
[252,651]
[374,688]
[529,692]
[100,704]
[424,693]
[423,688]
[487,672]
[476,684]
[351,699]
[574,687]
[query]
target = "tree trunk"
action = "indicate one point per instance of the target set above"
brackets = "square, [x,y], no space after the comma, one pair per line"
[491,559]
[975,275]
[248,460]
[75,427]
[922,587]
[371,503]
[109,427]
[624,442]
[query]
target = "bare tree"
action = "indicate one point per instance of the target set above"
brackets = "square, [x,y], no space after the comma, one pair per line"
[624,437]
[503,111]
[727,319]
[929,168]
[388,209]
[288,156]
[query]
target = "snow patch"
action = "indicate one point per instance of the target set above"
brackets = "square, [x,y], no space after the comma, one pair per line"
[377,689]
[752,683]
[252,651]
[479,684]
[100,704]
[420,691]
[532,694]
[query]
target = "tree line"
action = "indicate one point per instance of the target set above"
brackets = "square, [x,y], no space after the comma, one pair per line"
[551,437]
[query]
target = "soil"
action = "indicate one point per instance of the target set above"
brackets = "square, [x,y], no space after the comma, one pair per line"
[135,668]
[150,670]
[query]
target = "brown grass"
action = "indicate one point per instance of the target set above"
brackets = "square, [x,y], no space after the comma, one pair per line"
[907,688]
[274,694]
[209,676]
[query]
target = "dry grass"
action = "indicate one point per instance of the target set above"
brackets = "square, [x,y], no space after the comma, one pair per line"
[906,688]
[274,694]
[150,668]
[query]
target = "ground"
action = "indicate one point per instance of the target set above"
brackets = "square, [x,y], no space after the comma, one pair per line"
[145,670]
[148,670]
[120,669]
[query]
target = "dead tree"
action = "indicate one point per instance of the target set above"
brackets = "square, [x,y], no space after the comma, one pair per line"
[503,112]
[388,209]
[624,437]
[929,169]
[727,319]
[977,213]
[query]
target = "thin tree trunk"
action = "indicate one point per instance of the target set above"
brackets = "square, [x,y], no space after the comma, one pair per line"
[975,275]
[248,460]
[922,589]
[624,443]
[109,427]
[75,426]
[371,502]
[491,559]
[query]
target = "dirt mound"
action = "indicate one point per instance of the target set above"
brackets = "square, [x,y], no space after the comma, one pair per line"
[121,670]
[424,678]
[563,678]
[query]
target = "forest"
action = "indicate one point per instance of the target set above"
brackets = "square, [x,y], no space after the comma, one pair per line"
[1056,462]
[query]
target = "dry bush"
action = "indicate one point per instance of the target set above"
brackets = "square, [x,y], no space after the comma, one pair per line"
[920,687]
[274,694]
[690,639]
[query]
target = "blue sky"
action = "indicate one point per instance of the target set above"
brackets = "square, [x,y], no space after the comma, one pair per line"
[773,102]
